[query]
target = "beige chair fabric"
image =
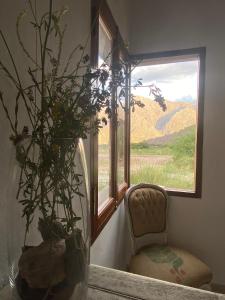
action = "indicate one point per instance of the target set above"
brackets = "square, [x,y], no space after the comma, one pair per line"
[147,210]
[170,264]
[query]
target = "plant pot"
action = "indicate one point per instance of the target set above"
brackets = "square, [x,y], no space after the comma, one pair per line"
[48,221]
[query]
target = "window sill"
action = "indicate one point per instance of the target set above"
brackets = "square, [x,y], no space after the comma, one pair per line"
[187,194]
[180,193]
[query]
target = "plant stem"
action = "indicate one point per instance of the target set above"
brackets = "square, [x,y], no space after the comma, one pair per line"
[43,92]
[22,44]
[7,113]
[20,88]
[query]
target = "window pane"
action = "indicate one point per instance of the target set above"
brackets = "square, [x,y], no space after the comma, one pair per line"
[163,144]
[121,104]
[105,45]
[104,155]
[120,146]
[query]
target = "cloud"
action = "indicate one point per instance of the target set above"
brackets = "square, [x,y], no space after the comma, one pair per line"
[165,72]
[176,80]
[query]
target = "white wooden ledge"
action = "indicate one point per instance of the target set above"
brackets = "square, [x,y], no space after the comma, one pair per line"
[110,284]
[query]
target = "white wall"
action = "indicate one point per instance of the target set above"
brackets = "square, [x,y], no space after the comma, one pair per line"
[158,25]
[111,247]
[120,11]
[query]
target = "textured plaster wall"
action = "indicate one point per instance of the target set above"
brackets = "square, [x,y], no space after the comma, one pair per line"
[158,25]
[120,11]
[78,21]
[110,248]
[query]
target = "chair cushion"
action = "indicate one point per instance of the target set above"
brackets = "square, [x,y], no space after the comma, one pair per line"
[170,264]
[147,208]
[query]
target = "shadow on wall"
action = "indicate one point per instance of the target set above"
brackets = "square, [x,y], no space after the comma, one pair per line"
[112,248]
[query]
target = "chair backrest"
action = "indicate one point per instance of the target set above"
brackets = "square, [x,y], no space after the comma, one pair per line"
[146,206]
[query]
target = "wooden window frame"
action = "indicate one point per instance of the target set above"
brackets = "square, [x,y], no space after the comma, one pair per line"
[201,54]
[100,9]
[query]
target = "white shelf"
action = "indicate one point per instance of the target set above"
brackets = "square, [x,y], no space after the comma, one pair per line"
[110,284]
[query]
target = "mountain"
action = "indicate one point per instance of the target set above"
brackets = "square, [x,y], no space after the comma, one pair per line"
[169,137]
[152,122]
[187,98]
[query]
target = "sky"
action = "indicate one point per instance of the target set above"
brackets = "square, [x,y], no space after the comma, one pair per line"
[178,81]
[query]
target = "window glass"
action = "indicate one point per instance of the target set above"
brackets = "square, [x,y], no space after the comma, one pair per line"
[104,148]
[120,146]
[121,105]
[163,143]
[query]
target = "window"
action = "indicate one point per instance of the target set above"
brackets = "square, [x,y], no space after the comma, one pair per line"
[109,159]
[104,136]
[166,146]
[122,135]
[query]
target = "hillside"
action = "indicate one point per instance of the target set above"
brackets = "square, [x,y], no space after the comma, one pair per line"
[151,122]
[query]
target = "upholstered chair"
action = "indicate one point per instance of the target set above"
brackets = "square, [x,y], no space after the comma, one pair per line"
[147,207]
